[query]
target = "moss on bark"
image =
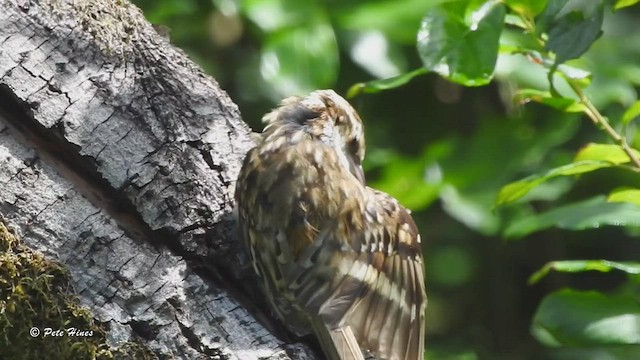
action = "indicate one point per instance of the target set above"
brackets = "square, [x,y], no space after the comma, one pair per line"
[39,314]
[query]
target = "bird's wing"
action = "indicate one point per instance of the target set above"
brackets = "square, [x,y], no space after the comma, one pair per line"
[388,316]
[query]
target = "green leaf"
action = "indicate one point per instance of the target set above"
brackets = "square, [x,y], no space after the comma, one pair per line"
[583,215]
[546,98]
[301,59]
[625,194]
[631,113]
[160,14]
[575,266]
[514,20]
[624,3]
[470,193]
[604,152]
[516,190]
[578,76]
[572,26]
[470,209]
[460,41]
[395,18]
[404,178]
[528,8]
[273,15]
[384,84]
[587,318]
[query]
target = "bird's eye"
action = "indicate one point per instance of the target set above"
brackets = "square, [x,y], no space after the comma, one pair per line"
[353,146]
[299,114]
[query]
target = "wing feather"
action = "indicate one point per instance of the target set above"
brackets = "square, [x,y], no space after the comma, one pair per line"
[388,329]
[388,320]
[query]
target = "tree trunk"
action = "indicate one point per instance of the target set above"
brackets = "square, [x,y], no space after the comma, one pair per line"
[118,159]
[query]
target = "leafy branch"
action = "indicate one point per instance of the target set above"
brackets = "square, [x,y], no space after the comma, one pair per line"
[600,121]
[461,41]
[529,26]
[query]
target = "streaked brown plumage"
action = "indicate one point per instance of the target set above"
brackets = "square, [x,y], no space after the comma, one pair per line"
[336,257]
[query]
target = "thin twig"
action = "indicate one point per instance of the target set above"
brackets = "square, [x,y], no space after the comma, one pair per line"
[601,121]
[591,111]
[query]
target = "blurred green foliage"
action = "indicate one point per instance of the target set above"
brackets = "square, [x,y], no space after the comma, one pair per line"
[537,167]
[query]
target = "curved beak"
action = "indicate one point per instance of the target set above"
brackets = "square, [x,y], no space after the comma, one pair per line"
[356,170]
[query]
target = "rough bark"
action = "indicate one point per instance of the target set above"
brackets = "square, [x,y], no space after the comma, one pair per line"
[118,158]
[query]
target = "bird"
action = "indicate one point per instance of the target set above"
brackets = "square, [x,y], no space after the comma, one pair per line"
[334,257]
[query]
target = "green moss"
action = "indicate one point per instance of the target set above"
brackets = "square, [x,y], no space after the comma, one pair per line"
[111,25]
[37,293]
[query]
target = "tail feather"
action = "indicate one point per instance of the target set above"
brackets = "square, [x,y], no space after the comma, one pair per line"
[388,330]
[337,344]
[388,319]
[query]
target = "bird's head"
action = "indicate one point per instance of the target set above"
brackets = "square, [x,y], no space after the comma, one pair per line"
[325,116]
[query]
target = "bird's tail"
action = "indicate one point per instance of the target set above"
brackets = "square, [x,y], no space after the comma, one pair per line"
[339,343]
